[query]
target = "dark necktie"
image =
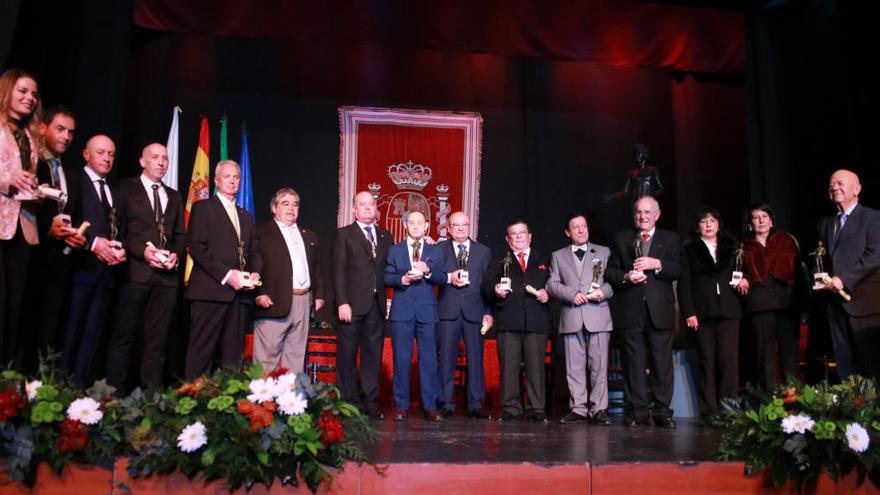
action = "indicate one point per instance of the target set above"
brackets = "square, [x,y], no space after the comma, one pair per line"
[53,172]
[416,251]
[104,201]
[580,254]
[157,205]
[370,234]
[841,221]
[462,256]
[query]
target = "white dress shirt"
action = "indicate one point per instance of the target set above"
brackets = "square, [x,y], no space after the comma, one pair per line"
[163,195]
[297,250]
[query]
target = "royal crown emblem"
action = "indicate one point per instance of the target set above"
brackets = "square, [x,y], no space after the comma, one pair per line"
[410,176]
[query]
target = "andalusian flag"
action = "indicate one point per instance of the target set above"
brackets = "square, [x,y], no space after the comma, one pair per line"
[198,185]
[224,145]
[245,197]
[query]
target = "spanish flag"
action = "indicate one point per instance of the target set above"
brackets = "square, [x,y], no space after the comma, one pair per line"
[198,184]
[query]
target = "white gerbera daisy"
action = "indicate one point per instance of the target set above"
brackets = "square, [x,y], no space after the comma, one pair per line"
[286,382]
[192,437]
[262,390]
[31,389]
[85,410]
[797,423]
[857,437]
[291,403]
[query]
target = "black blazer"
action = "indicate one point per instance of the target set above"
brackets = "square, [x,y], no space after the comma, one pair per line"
[519,311]
[88,269]
[855,258]
[213,247]
[277,274]
[626,305]
[702,279]
[356,274]
[139,226]
[47,209]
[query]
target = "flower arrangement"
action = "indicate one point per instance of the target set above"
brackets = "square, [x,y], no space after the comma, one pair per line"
[796,432]
[243,427]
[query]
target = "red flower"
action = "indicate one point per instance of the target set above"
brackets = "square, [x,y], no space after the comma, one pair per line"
[280,370]
[331,428]
[260,415]
[74,436]
[789,396]
[11,402]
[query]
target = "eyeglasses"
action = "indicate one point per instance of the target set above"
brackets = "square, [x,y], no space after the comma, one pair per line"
[518,234]
[460,225]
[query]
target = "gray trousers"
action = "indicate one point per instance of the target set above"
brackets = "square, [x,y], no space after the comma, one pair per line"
[282,341]
[527,348]
[582,350]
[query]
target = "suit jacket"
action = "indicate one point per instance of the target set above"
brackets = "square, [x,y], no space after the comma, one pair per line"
[12,211]
[656,291]
[702,278]
[139,226]
[415,301]
[519,311]
[565,282]
[88,269]
[357,275]
[50,249]
[213,247]
[855,258]
[277,272]
[466,301]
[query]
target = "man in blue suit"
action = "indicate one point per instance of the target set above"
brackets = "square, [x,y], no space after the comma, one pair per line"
[413,268]
[462,312]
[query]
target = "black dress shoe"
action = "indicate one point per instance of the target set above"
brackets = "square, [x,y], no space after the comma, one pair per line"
[507,417]
[434,415]
[479,414]
[400,416]
[631,422]
[377,415]
[573,417]
[665,422]
[601,418]
[448,413]
[538,417]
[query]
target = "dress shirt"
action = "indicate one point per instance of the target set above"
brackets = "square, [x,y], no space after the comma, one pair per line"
[527,250]
[297,250]
[163,195]
[455,249]
[94,177]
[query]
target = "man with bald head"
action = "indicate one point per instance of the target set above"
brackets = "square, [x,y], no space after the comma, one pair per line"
[93,276]
[852,236]
[644,263]
[462,312]
[359,253]
[151,215]
[413,269]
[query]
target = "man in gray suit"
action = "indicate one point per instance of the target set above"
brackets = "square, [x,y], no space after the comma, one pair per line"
[577,279]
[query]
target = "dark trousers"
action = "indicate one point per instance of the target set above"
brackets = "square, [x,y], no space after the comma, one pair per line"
[85,327]
[718,347]
[217,330]
[527,348]
[45,301]
[769,329]
[364,334]
[14,255]
[143,315]
[643,347]
[855,342]
[451,332]
[425,334]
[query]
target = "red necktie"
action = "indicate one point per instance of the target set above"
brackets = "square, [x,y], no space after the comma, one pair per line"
[645,236]
[522,260]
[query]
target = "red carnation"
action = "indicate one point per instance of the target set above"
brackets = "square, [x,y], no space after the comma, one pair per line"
[331,428]
[73,436]
[260,415]
[11,402]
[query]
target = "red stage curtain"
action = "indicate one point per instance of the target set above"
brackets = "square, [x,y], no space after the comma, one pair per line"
[629,34]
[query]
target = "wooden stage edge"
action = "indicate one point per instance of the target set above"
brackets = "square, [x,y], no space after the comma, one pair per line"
[442,478]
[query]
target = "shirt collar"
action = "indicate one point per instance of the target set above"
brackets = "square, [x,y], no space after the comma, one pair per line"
[225,201]
[466,243]
[582,246]
[93,176]
[650,232]
[148,183]
[849,210]
[527,250]
[282,225]
[362,225]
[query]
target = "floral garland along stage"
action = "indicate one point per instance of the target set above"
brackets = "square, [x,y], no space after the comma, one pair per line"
[797,432]
[241,427]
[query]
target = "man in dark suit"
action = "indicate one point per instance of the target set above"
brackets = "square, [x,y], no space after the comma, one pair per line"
[49,270]
[152,220]
[413,269]
[462,312]
[514,286]
[643,265]
[223,244]
[853,240]
[293,276]
[93,279]
[359,254]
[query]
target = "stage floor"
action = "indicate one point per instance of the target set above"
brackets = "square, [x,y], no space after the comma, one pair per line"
[463,440]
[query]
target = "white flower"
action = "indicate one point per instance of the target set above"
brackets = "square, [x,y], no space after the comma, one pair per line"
[292,403]
[192,437]
[286,382]
[85,410]
[797,423]
[835,399]
[31,389]
[262,390]
[857,437]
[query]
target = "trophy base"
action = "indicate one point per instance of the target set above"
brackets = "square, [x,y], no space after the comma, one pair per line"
[736,278]
[819,280]
[464,277]
[505,284]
